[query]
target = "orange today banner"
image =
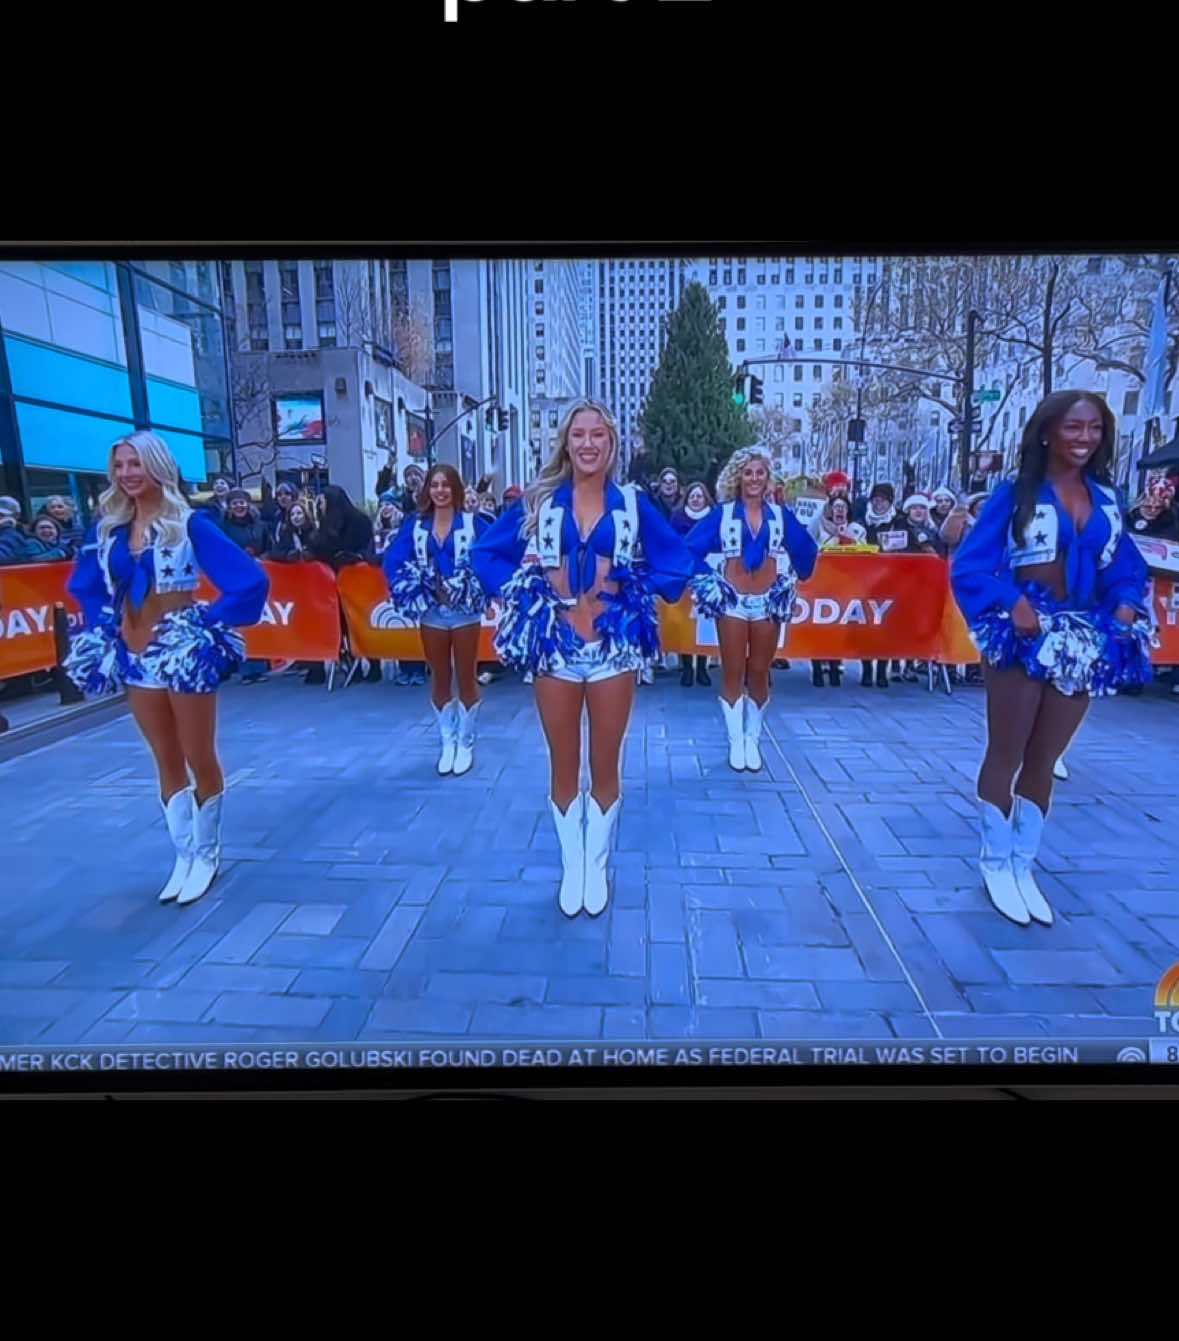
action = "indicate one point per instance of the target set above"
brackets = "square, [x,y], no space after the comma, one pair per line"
[852,606]
[376,630]
[300,620]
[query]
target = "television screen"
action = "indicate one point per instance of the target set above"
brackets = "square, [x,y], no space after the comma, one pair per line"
[521,665]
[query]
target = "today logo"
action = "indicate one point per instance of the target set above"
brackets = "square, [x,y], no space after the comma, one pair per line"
[1166,1001]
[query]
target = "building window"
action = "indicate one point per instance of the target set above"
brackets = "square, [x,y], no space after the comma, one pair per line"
[818,300]
[721,301]
[796,399]
[540,351]
[817,372]
[760,323]
[818,323]
[816,398]
[538,286]
[779,323]
[740,323]
[790,275]
[810,277]
[740,300]
[797,373]
[799,300]
[839,276]
[741,276]
[1094,266]
[838,323]
[327,336]
[839,300]
[761,279]
[818,346]
[837,345]
[779,373]
[712,277]
[798,323]
[534,419]
[293,335]
[721,323]
[799,345]
[740,346]
[540,331]
[935,419]
[728,277]
[1130,404]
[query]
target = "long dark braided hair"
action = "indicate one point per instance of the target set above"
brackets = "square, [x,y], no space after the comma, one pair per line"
[1033,450]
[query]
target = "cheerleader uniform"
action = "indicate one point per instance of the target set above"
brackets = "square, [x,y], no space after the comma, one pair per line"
[434,584]
[723,538]
[644,558]
[1080,649]
[188,649]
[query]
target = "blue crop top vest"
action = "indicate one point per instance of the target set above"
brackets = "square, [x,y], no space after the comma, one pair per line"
[498,554]
[106,576]
[1102,566]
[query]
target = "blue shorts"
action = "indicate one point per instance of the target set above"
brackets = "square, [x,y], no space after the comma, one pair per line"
[437,618]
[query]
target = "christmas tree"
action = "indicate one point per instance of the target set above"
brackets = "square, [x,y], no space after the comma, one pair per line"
[690,419]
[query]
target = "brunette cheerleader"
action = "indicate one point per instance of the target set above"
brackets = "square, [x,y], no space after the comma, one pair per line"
[1054,591]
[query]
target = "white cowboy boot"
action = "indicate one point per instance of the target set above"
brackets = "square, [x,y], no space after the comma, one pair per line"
[1027,825]
[599,830]
[733,715]
[572,840]
[754,716]
[995,864]
[465,749]
[206,833]
[447,719]
[1060,769]
[178,816]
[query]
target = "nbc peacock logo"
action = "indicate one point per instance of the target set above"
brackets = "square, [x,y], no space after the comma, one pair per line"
[1166,1001]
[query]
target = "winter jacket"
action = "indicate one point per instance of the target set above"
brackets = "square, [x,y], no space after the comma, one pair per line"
[14,544]
[682,523]
[1163,527]
[250,535]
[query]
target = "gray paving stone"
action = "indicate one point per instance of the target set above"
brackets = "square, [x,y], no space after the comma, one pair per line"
[669,1021]
[175,1006]
[254,1008]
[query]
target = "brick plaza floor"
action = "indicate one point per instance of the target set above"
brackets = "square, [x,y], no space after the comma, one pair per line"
[834,895]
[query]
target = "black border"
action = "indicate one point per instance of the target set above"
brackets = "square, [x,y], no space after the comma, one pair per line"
[1005,1080]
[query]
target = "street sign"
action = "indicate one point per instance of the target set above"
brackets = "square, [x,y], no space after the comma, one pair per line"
[979,397]
[957,426]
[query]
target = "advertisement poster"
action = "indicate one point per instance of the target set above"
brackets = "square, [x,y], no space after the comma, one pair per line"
[298,417]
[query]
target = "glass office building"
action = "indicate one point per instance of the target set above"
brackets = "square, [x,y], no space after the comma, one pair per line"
[91,350]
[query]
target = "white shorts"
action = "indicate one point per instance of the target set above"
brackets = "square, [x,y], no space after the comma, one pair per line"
[149,681]
[436,618]
[587,666]
[750,606]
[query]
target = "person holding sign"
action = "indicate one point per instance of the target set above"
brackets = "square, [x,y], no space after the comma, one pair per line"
[432,581]
[577,565]
[749,554]
[135,581]
[1054,590]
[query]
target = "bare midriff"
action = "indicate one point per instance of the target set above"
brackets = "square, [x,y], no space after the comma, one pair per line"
[138,626]
[589,605]
[1050,574]
[747,583]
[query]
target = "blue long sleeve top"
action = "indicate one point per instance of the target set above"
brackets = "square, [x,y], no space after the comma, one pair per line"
[241,580]
[705,538]
[441,556]
[499,553]
[1100,574]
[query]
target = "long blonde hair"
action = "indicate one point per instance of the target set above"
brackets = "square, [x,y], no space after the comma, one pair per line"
[559,468]
[728,483]
[116,509]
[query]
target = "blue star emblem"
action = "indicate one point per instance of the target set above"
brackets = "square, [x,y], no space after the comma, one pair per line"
[169,570]
[1041,538]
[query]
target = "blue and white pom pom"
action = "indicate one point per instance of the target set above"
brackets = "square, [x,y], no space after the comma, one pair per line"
[411,592]
[1069,653]
[629,625]
[97,661]
[1000,644]
[192,655]
[780,600]
[463,592]
[532,634]
[714,595]
[1125,658]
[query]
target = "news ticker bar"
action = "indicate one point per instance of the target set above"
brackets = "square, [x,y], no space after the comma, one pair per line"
[540,1055]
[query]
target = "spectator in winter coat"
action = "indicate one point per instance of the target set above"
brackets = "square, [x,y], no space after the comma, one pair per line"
[244,526]
[668,492]
[46,544]
[924,537]
[835,530]
[14,544]
[697,504]
[961,519]
[285,497]
[1154,515]
[61,509]
[942,502]
[295,535]
[407,499]
[344,534]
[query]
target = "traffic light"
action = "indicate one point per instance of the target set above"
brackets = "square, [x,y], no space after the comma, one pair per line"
[503,420]
[489,418]
[756,391]
[740,395]
[855,430]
